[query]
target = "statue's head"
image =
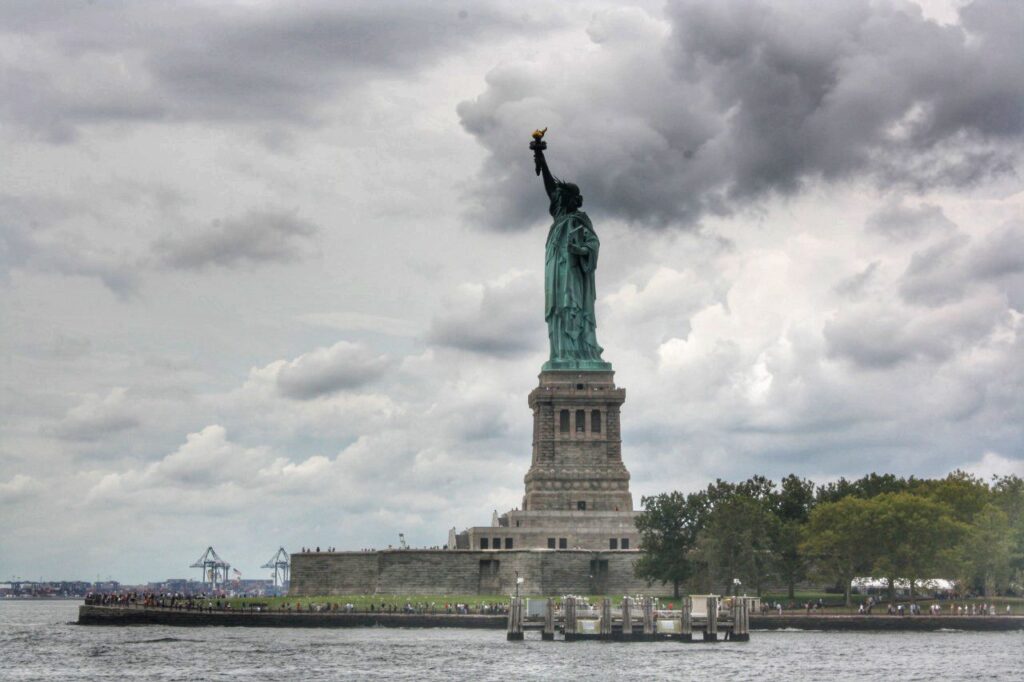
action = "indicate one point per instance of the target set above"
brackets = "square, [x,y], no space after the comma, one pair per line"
[571,197]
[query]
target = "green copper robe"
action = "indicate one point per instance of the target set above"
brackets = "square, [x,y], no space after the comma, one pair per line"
[569,292]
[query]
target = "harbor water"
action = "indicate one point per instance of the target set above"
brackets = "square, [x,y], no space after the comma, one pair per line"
[39,641]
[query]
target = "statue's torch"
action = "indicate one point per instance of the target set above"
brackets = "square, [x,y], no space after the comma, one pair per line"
[538,146]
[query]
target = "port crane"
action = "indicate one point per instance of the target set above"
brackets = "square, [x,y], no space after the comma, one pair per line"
[281,565]
[215,570]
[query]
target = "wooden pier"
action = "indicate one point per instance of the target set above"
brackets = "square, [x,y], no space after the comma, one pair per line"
[635,620]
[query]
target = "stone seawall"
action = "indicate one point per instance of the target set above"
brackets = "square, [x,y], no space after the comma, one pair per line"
[887,623]
[120,615]
[466,572]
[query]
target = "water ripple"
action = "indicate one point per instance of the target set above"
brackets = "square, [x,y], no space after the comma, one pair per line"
[38,642]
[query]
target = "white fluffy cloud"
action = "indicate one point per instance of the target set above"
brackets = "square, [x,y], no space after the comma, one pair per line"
[993,464]
[19,489]
[324,371]
[208,473]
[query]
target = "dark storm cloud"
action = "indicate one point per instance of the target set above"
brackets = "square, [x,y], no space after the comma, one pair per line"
[324,371]
[874,337]
[101,62]
[945,271]
[935,274]
[854,285]
[256,237]
[1000,254]
[504,320]
[954,293]
[29,240]
[40,235]
[900,222]
[741,100]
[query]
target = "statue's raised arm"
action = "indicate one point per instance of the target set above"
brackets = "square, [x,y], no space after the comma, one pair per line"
[540,163]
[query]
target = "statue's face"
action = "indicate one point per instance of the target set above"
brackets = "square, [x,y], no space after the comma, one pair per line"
[572,199]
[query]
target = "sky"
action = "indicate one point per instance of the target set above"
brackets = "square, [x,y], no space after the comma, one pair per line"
[271,272]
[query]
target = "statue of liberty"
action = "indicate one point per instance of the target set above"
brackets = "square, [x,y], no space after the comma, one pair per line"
[570,260]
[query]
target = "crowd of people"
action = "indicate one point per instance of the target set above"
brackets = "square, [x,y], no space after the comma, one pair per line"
[867,607]
[175,600]
[914,609]
[210,603]
[432,608]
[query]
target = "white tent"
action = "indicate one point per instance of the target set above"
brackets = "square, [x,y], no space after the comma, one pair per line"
[929,585]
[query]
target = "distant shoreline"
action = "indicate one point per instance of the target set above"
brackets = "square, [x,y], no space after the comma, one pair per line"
[3,599]
[120,616]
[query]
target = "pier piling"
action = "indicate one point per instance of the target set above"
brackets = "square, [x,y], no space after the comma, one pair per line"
[515,620]
[548,633]
[648,608]
[711,628]
[606,618]
[627,618]
[687,619]
[740,621]
[569,616]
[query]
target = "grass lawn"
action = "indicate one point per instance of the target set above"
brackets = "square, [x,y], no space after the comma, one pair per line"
[363,602]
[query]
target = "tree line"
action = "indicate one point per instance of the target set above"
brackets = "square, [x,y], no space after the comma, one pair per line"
[762,534]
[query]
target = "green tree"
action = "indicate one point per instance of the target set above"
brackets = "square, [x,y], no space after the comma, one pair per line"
[792,509]
[867,487]
[668,526]
[915,537]
[988,551]
[736,542]
[1008,495]
[963,493]
[838,540]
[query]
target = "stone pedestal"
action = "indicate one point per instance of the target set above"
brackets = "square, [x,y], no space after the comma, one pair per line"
[577,444]
[577,488]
